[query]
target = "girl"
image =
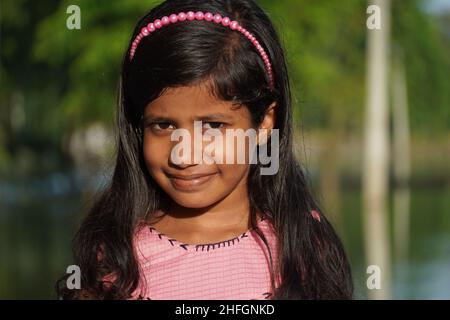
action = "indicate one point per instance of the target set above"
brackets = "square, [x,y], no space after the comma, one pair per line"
[187,230]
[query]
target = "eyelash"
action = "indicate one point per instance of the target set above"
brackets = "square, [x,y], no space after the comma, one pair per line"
[152,125]
[221,124]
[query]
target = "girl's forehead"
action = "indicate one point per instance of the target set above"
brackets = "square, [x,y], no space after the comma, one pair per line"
[188,100]
[198,93]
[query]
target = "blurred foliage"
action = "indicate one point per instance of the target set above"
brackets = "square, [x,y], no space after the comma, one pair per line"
[326,46]
[427,61]
[55,81]
[325,49]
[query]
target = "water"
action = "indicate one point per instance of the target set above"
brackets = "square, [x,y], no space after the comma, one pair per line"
[38,218]
[424,273]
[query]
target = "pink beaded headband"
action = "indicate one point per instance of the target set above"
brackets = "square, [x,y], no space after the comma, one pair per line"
[217,18]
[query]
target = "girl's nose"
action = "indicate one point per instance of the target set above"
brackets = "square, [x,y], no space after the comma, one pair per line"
[187,150]
[184,162]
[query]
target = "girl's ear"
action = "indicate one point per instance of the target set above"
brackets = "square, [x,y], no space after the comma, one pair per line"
[268,123]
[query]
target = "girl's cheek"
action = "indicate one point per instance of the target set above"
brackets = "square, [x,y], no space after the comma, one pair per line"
[156,151]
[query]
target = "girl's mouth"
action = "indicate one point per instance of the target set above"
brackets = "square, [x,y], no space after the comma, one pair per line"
[190,183]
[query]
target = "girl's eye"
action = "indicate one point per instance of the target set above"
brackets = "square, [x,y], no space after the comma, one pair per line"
[161,126]
[215,125]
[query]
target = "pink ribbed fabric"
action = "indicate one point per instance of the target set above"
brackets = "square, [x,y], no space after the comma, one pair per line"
[238,268]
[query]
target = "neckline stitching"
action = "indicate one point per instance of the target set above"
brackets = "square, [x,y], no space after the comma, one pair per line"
[215,245]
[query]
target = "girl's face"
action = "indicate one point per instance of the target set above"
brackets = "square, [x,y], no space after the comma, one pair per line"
[189,183]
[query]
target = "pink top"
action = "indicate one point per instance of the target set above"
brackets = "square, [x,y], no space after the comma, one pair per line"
[237,268]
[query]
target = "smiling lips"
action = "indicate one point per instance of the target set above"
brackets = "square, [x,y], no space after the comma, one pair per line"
[190,182]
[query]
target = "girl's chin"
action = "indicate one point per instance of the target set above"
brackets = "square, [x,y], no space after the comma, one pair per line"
[193,200]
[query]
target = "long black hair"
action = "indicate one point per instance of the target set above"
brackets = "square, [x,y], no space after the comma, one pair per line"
[311,261]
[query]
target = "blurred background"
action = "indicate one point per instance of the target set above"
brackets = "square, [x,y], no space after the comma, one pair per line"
[57,109]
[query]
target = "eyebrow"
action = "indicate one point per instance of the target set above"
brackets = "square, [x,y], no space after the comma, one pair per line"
[209,117]
[155,119]
[216,116]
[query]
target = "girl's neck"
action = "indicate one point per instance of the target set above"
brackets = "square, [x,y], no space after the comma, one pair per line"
[214,217]
[204,226]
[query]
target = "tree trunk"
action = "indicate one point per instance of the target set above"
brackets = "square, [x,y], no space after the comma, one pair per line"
[376,153]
